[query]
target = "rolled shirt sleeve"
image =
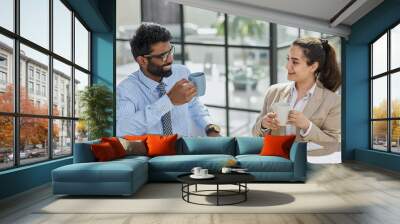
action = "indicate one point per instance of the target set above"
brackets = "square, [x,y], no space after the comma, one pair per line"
[199,113]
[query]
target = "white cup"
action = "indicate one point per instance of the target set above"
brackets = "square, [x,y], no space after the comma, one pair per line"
[282,112]
[203,172]
[196,171]
[226,170]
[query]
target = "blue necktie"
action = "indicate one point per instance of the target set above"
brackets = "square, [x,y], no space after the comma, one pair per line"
[166,118]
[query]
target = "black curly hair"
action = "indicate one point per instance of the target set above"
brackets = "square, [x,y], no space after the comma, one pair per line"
[146,35]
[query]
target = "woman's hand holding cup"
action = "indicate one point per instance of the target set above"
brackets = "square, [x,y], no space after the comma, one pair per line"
[270,121]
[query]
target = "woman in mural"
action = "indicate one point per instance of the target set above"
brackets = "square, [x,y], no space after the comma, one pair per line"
[313,107]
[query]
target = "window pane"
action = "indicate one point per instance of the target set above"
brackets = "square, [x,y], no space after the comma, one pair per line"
[62,141]
[211,61]
[6,74]
[395,95]
[34,97]
[165,13]
[219,117]
[379,135]
[203,26]
[286,35]
[308,33]
[81,81]
[6,142]
[7,14]
[62,89]
[379,55]
[247,31]
[35,21]
[241,123]
[395,47]
[395,138]
[379,97]
[33,139]
[282,61]
[128,18]
[248,77]
[62,29]
[81,131]
[126,65]
[178,57]
[81,45]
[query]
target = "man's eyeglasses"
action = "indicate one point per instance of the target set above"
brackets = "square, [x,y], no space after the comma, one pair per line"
[163,56]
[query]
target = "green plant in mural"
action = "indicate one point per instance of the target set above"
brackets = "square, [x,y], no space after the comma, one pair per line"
[96,102]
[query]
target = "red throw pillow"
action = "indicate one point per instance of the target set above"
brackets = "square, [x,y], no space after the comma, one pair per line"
[103,151]
[277,145]
[160,145]
[116,145]
[135,137]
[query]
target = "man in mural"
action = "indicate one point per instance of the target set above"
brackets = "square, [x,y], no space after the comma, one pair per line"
[158,98]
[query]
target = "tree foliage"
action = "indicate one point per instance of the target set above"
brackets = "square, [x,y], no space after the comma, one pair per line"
[32,130]
[97,102]
[380,127]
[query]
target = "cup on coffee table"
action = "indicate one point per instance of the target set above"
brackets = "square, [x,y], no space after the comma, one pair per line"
[197,170]
[282,112]
[203,172]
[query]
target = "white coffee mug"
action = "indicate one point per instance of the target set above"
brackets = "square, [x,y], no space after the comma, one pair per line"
[203,172]
[226,170]
[196,171]
[282,112]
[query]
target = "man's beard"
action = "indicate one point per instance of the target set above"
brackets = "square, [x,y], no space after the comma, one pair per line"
[159,71]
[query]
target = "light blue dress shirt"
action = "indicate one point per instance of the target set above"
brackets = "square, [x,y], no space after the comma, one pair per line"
[139,107]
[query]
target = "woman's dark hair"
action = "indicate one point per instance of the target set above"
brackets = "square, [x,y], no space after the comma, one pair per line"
[146,35]
[318,50]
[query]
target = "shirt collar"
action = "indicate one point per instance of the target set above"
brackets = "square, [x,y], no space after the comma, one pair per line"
[149,83]
[310,92]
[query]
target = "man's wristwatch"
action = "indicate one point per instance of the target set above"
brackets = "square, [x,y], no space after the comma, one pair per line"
[265,130]
[213,127]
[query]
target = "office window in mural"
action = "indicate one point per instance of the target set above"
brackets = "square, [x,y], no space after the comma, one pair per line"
[385,97]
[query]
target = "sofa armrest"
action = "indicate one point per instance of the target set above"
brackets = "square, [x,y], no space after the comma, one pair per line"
[83,152]
[298,155]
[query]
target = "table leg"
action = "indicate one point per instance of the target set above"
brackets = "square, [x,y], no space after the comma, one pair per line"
[245,191]
[196,188]
[217,194]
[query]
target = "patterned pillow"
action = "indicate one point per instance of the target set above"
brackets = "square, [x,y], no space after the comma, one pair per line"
[134,147]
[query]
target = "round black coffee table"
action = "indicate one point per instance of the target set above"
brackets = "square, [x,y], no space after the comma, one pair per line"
[238,179]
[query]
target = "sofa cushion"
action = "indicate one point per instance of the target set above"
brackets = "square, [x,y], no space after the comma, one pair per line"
[83,152]
[185,163]
[249,145]
[116,145]
[134,147]
[112,171]
[257,163]
[277,145]
[103,152]
[160,145]
[206,145]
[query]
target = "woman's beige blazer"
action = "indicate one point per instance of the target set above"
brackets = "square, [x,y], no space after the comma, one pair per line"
[323,110]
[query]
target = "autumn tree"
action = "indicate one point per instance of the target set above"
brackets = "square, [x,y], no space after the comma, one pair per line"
[33,131]
[380,127]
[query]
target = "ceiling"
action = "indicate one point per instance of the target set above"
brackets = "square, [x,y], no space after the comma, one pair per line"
[327,16]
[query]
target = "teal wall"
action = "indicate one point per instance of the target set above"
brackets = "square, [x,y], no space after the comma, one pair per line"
[99,16]
[356,85]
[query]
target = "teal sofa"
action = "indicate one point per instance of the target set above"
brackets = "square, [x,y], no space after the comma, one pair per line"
[125,176]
